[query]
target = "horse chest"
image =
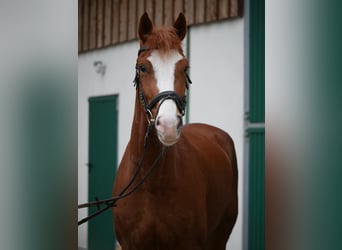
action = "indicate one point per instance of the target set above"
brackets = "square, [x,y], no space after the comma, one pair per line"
[160,221]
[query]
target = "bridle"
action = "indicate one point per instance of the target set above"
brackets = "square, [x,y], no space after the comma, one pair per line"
[161,97]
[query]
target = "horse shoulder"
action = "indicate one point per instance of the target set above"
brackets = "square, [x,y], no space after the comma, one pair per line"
[215,157]
[207,136]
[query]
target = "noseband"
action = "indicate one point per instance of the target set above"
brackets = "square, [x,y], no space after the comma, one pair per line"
[161,97]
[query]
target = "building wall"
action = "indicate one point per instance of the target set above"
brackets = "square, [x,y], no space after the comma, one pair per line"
[216,95]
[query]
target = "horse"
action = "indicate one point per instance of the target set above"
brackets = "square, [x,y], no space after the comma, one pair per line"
[189,200]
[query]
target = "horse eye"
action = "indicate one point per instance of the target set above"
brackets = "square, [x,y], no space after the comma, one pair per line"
[143,68]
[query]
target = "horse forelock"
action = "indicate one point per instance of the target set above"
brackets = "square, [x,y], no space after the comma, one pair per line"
[163,39]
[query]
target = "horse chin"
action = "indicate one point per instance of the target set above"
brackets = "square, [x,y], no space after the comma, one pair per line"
[168,132]
[168,141]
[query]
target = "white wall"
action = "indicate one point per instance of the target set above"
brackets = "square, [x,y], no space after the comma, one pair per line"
[217,91]
[216,97]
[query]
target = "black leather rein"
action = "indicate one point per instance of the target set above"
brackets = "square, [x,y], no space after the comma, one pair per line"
[111,202]
[160,98]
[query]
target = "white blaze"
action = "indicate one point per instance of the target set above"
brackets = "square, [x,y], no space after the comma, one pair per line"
[164,68]
[164,72]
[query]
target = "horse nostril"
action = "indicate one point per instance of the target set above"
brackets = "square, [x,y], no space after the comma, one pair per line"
[157,122]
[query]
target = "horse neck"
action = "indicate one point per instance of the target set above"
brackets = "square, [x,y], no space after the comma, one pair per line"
[152,151]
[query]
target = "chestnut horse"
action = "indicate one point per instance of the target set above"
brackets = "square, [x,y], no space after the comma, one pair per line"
[189,201]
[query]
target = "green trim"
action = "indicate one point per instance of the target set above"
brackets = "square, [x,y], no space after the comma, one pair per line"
[257,61]
[187,54]
[256,129]
[256,204]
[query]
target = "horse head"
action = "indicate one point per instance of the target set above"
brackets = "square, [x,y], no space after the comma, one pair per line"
[161,77]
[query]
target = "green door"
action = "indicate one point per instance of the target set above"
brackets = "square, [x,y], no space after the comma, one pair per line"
[103,119]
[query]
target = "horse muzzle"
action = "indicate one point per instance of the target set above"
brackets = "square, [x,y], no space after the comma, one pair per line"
[169,128]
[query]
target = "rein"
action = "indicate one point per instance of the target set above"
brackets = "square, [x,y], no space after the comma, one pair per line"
[161,97]
[111,201]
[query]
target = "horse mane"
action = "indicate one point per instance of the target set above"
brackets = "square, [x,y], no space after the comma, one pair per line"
[163,39]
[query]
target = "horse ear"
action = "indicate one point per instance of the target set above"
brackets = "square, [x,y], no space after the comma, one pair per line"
[145,26]
[180,26]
